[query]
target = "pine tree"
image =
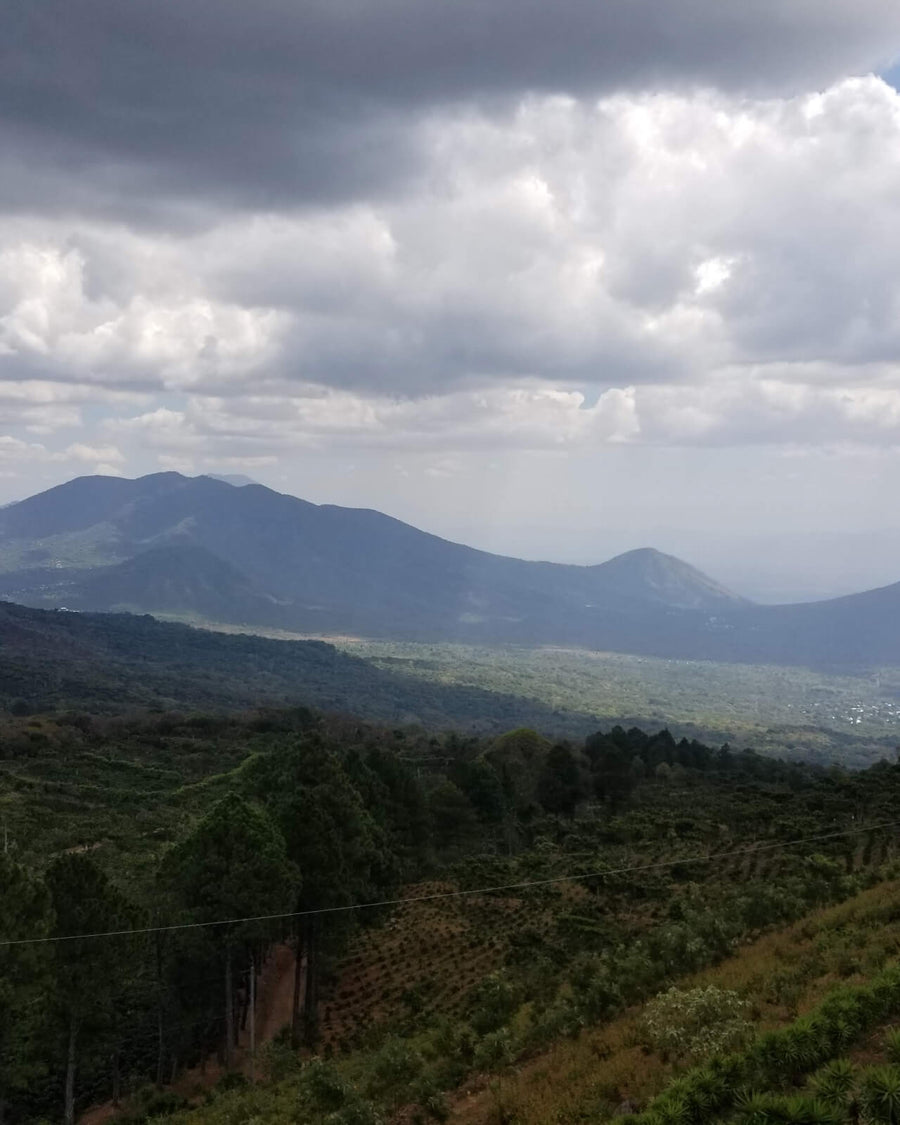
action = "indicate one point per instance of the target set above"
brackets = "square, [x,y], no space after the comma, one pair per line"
[88,970]
[233,865]
[25,913]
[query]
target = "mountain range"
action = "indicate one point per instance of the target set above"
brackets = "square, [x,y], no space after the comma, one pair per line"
[228,552]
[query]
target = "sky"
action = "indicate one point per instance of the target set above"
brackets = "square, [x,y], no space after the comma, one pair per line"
[556,280]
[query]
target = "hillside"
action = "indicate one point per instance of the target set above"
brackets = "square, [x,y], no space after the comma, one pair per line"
[326,567]
[524,943]
[244,555]
[110,663]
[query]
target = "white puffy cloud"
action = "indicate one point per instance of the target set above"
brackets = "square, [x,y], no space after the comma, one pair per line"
[669,268]
[52,324]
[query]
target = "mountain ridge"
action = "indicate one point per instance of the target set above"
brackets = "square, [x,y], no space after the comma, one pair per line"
[312,555]
[249,556]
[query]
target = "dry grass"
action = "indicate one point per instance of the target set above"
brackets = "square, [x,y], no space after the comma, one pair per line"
[585,1078]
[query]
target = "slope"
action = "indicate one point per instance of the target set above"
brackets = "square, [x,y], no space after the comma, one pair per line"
[329,568]
[118,662]
[206,549]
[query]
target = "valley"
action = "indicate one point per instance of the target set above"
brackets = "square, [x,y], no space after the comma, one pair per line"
[449,563]
[437,880]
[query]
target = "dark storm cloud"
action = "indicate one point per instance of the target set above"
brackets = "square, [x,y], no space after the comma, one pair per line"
[273,102]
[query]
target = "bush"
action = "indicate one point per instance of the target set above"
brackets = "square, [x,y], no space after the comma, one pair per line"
[495,1050]
[879,1094]
[696,1022]
[325,1087]
[493,1003]
[394,1068]
[358,1112]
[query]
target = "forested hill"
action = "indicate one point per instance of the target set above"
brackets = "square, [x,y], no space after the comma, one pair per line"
[540,890]
[52,660]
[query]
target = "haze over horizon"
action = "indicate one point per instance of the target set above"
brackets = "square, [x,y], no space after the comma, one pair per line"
[555,283]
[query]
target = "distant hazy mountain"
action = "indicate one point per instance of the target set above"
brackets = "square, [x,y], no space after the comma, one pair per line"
[169,544]
[323,566]
[238,480]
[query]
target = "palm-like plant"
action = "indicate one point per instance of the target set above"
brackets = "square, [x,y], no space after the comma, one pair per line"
[835,1083]
[879,1094]
[756,1108]
[673,1110]
[892,1045]
[772,1109]
[802,1110]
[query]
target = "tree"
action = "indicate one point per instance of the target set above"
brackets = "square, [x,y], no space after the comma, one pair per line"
[518,757]
[332,838]
[87,971]
[561,785]
[611,759]
[452,816]
[479,781]
[25,913]
[234,865]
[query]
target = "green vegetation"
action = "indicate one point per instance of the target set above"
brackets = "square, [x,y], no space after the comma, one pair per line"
[53,661]
[630,861]
[791,712]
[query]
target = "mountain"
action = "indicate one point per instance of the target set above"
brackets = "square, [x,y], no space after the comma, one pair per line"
[209,550]
[649,575]
[253,556]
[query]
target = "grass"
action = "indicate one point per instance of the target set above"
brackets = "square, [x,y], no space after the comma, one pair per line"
[586,1078]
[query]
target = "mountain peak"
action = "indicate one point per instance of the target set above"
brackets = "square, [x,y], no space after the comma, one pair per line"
[650,575]
[247,554]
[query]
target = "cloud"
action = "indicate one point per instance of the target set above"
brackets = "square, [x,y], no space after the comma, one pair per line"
[650,239]
[52,324]
[233,237]
[78,451]
[270,105]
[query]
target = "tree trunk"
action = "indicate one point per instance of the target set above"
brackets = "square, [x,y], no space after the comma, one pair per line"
[295,1007]
[229,1013]
[160,1001]
[70,1070]
[252,1020]
[311,999]
[160,1043]
[2,1109]
[116,1079]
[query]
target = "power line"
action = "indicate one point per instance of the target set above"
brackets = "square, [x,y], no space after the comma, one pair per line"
[656,866]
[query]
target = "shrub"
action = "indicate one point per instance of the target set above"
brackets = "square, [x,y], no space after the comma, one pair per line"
[394,1067]
[879,1094]
[495,1050]
[696,1022]
[324,1085]
[493,1002]
[835,1082]
[892,1045]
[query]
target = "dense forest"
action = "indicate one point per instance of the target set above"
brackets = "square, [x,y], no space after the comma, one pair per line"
[107,664]
[527,890]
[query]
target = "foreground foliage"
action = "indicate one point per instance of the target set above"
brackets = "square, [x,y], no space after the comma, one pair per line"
[628,860]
